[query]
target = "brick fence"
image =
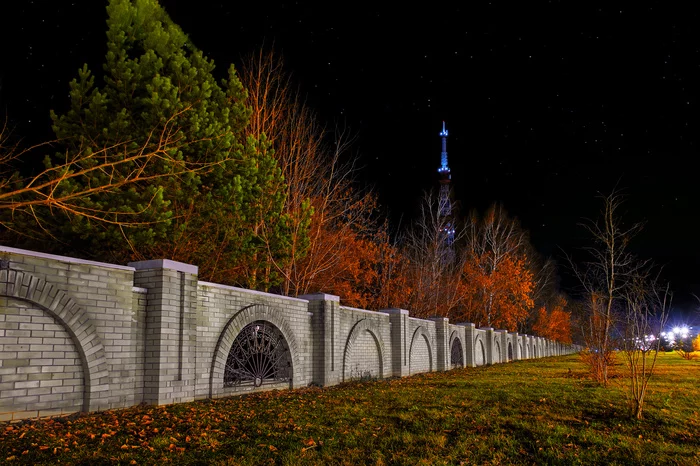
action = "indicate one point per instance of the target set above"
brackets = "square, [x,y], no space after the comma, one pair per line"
[78,335]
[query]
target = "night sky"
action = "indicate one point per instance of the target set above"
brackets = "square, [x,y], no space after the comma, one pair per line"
[548,104]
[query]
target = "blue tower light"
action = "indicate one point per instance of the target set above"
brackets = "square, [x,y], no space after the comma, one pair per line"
[443,156]
[444,131]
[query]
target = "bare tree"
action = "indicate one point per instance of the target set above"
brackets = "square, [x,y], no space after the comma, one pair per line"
[316,176]
[646,305]
[605,278]
[434,268]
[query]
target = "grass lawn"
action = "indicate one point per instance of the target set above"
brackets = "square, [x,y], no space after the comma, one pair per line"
[542,411]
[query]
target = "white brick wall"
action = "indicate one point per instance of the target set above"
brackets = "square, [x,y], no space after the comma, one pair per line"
[81,335]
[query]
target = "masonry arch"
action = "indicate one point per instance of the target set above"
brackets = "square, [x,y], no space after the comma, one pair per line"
[510,351]
[74,322]
[364,352]
[479,351]
[456,351]
[497,357]
[520,350]
[420,354]
[245,320]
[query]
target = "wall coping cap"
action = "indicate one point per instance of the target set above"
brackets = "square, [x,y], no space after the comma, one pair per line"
[357,309]
[70,260]
[485,328]
[395,310]
[466,324]
[422,320]
[244,290]
[319,297]
[165,264]
[439,319]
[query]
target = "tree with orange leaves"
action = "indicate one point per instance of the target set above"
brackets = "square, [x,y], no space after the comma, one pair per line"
[554,323]
[496,283]
[499,297]
[336,250]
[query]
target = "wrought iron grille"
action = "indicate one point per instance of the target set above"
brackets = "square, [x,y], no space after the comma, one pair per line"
[456,354]
[259,355]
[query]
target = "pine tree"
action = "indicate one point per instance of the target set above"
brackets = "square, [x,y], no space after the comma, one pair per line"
[159,94]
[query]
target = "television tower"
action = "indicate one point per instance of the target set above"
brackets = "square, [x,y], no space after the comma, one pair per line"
[445,204]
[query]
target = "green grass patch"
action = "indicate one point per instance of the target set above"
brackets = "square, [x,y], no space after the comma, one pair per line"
[543,411]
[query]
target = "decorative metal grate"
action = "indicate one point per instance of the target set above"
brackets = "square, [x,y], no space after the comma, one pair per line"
[259,356]
[456,354]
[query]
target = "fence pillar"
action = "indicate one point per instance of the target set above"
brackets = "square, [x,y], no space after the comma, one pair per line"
[171,329]
[442,331]
[398,318]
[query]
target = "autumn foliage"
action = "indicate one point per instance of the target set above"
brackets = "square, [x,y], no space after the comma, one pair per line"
[499,297]
[554,323]
[263,197]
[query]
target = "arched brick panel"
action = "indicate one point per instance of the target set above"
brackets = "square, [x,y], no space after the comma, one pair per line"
[65,310]
[479,348]
[498,357]
[455,336]
[421,332]
[375,331]
[231,330]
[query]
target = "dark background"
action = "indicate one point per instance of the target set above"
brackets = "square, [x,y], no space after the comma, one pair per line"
[548,104]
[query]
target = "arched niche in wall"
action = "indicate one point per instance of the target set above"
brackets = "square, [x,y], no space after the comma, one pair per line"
[479,351]
[510,351]
[364,355]
[420,353]
[456,351]
[257,350]
[70,335]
